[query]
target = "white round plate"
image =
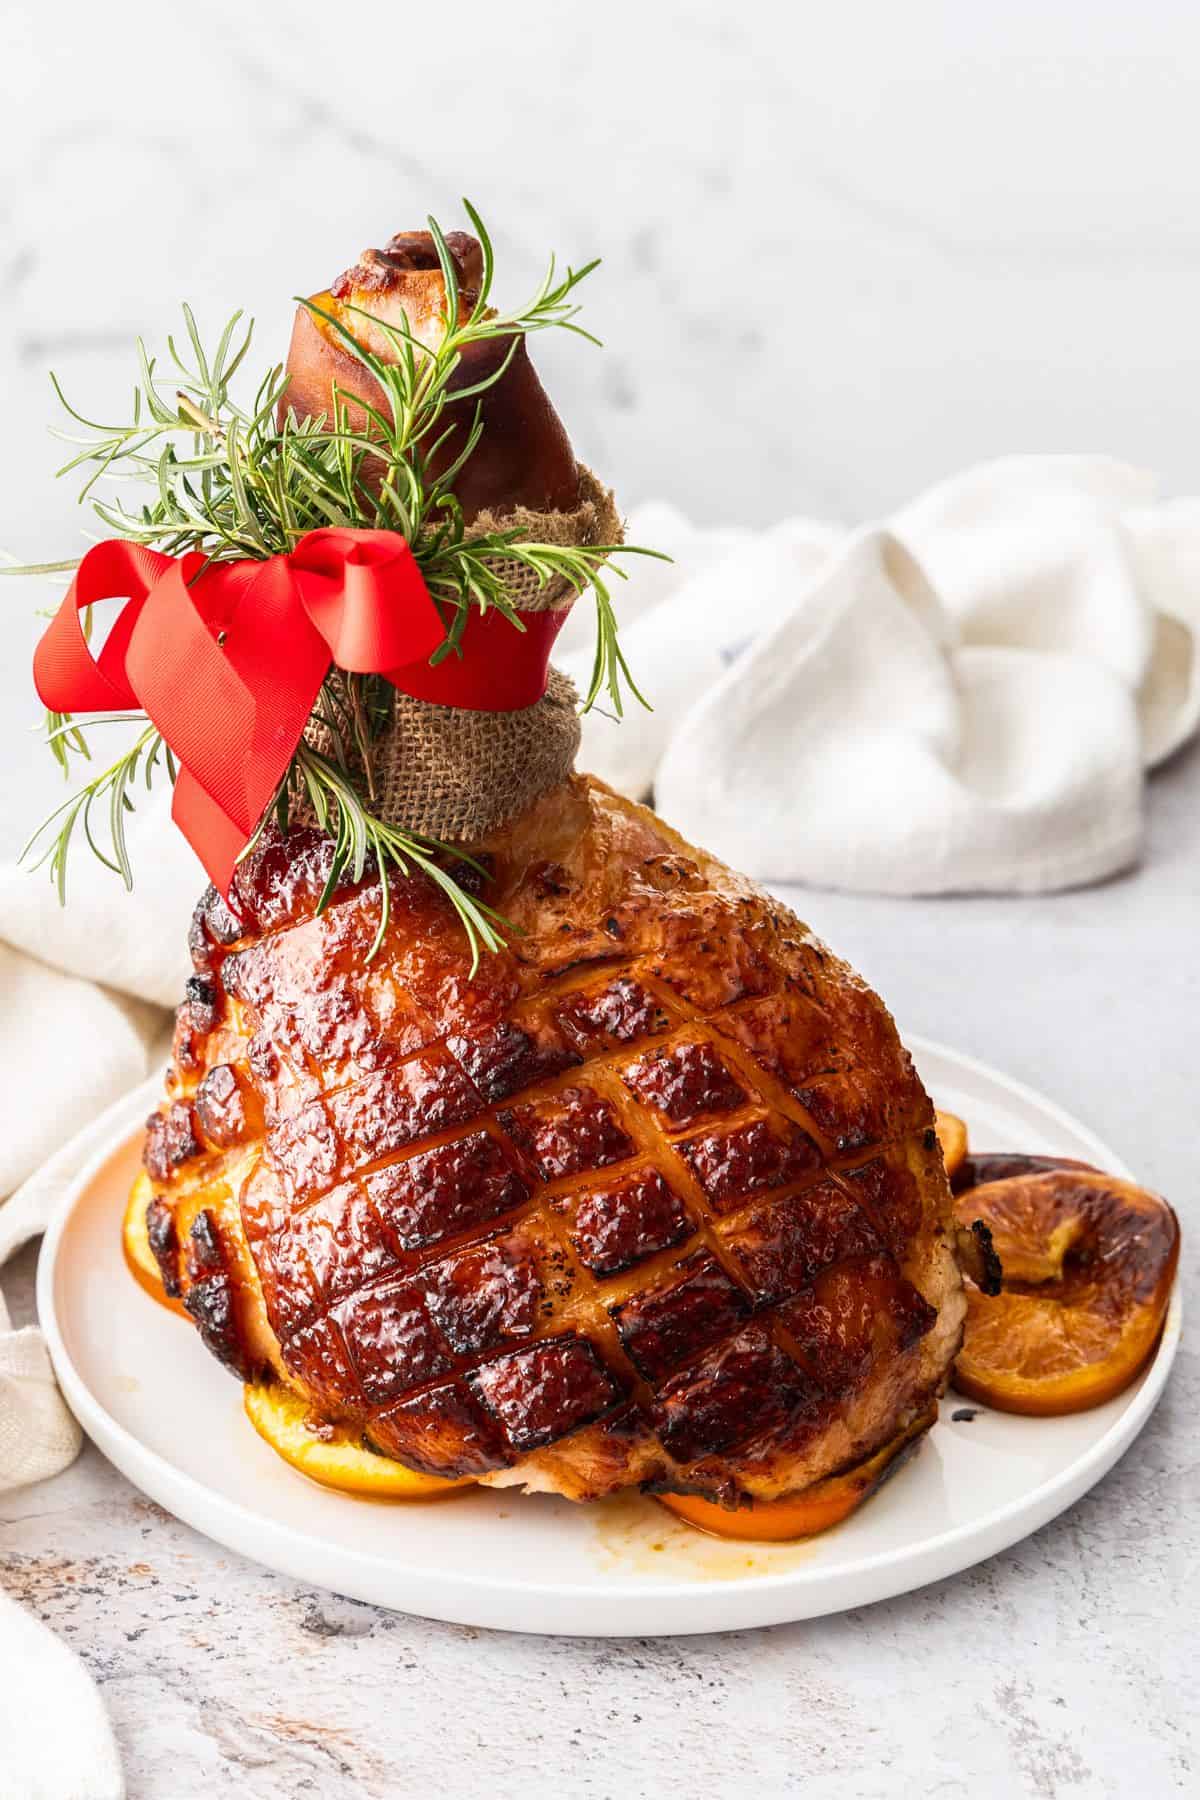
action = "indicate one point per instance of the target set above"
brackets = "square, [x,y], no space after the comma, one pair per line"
[170,1418]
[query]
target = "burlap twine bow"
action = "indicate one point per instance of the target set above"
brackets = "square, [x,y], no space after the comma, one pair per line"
[456,775]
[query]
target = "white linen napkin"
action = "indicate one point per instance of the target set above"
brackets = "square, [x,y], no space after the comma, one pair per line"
[38,1436]
[55,1739]
[69,1047]
[962,697]
[56,1742]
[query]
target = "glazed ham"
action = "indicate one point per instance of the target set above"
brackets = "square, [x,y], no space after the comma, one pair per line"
[652,1198]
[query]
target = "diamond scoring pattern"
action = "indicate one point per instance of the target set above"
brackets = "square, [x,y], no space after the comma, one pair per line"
[665,1117]
[473,1305]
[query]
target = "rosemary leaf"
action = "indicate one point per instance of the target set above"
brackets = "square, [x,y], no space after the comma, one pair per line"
[235,481]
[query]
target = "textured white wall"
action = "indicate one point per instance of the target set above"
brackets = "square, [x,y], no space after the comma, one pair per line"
[847,248]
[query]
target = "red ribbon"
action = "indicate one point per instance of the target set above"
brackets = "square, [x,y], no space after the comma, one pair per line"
[228,664]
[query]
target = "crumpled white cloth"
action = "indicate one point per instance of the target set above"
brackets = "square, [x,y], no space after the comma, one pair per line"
[82,993]
[56,1742]
[66,1046]
[962,697]
[38,1436]
[55,1739]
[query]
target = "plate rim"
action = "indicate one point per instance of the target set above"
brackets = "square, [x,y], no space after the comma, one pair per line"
[1028,1512]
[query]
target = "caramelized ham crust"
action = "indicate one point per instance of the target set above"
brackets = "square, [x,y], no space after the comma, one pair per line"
[654,1197]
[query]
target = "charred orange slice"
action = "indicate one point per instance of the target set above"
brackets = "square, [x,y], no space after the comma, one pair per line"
[1088,1262]
[1001,1165]
[135,1242]
[336,1456]
[952,1136]
[803,1515]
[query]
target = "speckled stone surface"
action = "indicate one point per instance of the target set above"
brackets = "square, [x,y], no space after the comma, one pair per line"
[1065,1669]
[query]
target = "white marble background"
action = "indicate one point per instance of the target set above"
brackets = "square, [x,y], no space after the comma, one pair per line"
[848,248]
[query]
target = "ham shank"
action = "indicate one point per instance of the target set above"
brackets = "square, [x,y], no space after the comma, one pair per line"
[651,1198]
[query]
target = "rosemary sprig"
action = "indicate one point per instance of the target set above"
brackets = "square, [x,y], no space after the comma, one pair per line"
[360,839]
[111,789]
[465,573]
[234,480]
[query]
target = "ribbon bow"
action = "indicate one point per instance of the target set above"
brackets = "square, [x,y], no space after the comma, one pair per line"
[228,663]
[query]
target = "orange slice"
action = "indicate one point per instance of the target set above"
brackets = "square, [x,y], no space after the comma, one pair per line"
[1001,1165]
[338,1460]
[135,1242]
[1088,1262]
[802,1515]
[952,1136]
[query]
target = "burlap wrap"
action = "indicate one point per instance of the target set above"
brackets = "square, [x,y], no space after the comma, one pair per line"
[457,775]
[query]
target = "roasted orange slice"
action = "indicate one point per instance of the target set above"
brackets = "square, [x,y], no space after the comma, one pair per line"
[336,1457]
[135,1242]
[1001,1165]
[824,1504]
[1088,1262]
[952,1136]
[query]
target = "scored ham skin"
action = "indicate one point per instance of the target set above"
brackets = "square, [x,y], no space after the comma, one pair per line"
[653,1198]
